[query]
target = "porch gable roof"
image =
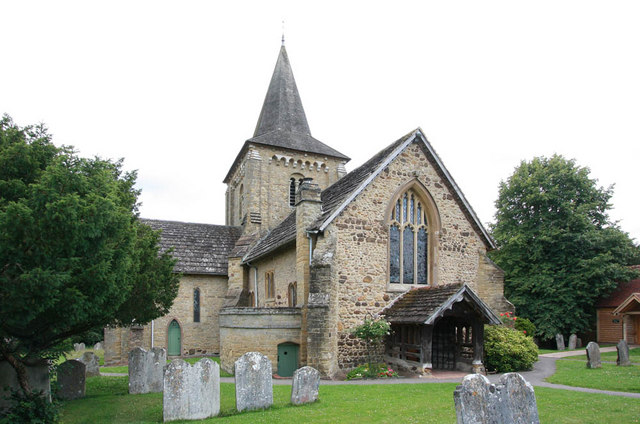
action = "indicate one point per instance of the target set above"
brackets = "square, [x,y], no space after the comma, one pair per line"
[629,304]
[426,305]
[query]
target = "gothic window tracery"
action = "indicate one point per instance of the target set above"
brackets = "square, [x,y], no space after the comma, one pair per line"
[408,240]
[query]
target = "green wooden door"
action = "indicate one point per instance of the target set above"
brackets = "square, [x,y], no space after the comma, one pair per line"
[287,359]
[174,339]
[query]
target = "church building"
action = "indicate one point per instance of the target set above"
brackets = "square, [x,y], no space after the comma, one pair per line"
[308,251]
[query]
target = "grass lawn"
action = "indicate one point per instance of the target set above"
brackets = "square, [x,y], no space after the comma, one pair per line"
[125,369]
[634,356]
[609,377]
[107,401]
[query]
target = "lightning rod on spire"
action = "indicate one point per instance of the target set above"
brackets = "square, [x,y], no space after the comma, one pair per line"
[283,32]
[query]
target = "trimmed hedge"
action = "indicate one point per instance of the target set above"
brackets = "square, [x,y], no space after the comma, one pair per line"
[508,350]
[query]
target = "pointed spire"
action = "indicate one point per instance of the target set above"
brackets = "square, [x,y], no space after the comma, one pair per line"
[282,108]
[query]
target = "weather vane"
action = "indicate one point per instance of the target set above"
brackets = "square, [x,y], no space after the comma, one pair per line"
[283,32]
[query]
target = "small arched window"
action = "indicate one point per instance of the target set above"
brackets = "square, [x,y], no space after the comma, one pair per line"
[196,305]
[270,289]
[241,203]
[292,192]
[292,295]
[408,240]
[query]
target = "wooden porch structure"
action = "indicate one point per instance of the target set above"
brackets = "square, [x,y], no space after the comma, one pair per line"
[438,328]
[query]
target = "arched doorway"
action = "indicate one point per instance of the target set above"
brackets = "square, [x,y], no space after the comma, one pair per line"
[174,337]
[287,359]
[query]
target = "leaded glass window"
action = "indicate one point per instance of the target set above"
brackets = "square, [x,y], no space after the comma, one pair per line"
[408,241]
[196,305]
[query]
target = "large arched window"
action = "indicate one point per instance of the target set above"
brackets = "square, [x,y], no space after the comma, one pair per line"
[409,240]
[196,305]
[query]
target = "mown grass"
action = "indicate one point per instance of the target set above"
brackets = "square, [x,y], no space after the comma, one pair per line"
[108,401]
[634,356]
[609,377]
[125,369]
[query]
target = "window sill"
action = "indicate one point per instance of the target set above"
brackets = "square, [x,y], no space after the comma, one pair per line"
[401,288]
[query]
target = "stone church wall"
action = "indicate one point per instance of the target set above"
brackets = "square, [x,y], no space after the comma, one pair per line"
[283,265]
[198,338]
[362,248]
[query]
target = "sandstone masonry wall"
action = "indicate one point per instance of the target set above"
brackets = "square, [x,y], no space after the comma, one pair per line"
[283,265]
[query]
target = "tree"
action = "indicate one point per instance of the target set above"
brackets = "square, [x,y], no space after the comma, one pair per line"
[74,257]
[556,244]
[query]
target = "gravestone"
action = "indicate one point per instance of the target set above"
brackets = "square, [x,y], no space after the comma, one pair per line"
[92,362]
[71,379]
[97,346]
[146,370]
[573,341]
[38,375]
[512,400]
[623,354]
[306,381]
[191,392]
[593,355]
[560,341]
[78,346]
[579,343]
[254,388]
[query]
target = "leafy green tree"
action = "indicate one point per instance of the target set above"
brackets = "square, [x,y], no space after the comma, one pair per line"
[74,257]
[557,246]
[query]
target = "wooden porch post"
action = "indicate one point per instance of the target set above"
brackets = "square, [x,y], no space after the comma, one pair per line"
[427,335]
[478,347]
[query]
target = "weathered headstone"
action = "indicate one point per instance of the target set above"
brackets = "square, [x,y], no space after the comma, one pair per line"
[573,341]
[254,388]
[579,343]
[191,392]
[560,341]
[512,400]
[146,370]
[92,362]
[38,379]
[78,346]
[97,346]
[593,355]
[306,382]
[71,379]
[623,354]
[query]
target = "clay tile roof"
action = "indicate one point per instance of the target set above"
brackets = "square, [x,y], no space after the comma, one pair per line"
[199,248]
[280,236]
[426,304]
[621,293]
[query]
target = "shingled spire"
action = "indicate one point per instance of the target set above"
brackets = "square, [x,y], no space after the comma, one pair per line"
[282,122]
[282,108]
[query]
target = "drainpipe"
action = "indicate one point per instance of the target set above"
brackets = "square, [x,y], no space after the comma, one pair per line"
[152,322]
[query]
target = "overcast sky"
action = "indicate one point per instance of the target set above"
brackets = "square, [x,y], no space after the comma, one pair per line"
[176,87]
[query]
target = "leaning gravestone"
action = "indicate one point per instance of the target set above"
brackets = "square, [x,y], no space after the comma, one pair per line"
[512,400]
[254,388]
[71,379]
[560,341]
[97,346]
[92,362]
[573,341]
[191,392]
[78,346]
[593,355]
[623,354]
[146,370]
[38,379]
[306,381]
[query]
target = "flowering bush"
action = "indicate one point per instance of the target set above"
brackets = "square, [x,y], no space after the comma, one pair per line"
[371,371]
[521,324]
[508,350]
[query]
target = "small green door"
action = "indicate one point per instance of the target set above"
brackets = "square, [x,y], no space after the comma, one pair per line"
[174,339]
[287,359]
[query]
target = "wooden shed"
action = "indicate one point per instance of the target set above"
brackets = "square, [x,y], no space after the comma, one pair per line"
[618,315]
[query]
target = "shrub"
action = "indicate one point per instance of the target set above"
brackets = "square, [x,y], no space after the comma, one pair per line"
[525,326]
[508,350]
[371,371]
[32,408]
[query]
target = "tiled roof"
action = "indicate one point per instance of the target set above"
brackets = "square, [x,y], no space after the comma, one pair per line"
[199,248]
[621,293]
[426,304]
[281,235]
[417,305]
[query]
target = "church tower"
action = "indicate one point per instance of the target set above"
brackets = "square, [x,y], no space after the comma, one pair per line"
[263,180]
